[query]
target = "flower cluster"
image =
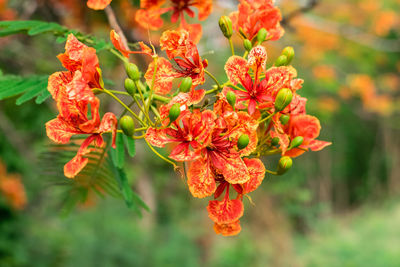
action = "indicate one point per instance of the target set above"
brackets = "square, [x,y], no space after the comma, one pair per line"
[12,189]
[77,105]
[220,139]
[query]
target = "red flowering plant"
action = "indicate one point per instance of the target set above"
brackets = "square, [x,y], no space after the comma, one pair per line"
[217,136]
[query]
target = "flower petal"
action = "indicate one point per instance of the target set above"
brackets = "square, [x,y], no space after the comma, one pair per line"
[236,68]
[60,131]
[98,4]
[228,229]
[201,180]
[225,211]
[163,78]
[257,173]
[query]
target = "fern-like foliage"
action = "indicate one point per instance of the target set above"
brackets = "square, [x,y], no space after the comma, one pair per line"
[100,176]
[28,87]
[36,86]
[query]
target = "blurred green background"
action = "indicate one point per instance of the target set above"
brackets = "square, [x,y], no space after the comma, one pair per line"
[336,207]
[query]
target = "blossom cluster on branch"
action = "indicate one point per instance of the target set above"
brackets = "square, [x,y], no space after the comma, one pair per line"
[219,134]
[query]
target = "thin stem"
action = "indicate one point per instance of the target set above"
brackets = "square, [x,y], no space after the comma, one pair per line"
[125,106]
[231,45]
[267,118]
[118,92]
[159,155]
[212,77]
[271,172]
[153,80]
[236,87]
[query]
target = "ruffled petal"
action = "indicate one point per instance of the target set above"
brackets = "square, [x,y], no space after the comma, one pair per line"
[118,44]
[257,173]
[109,123]
[164,76]
[201,180]
[157,137]
[236,68]
[228,229]
[75,165]
[257,58]
[150,18]
[60,131]
[225,211]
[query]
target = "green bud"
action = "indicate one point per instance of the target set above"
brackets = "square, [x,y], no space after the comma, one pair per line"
[130,86]
[297,141]
[284,164]
[186,85]
[243,141]
[132,71]
[275,141]
[101,82]
[247,45]
[282,60]
[174,112]
[127,125]
[261,35]
[231,97]
[284,119]
[283,98]
[225,24]
[289,53]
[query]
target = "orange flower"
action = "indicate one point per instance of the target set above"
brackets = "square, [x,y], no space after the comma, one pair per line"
[184,52]
[149,14]
[120,46]
[72,93]
[12,188]
[192,133]
[252,15]
[308,127]
[98,4]
[259,92]
[221,160]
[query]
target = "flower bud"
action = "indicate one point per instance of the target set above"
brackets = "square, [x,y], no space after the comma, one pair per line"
[275,141]
[243,141]
[261,35]
[132,71]
[284,164]
[289,53]
[297,141]
[130,86]
[284,119]
[174,112]
[186,85]
[231,97]
[225,24]
[282,60]
[101,81]
[247,45]
[127,125]
[283,98]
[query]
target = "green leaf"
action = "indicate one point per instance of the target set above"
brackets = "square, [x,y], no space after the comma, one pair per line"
[27,87]
[130,145]
[118,154]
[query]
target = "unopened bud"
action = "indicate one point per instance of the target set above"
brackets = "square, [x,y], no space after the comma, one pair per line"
[243,141]
[130,86]
[297,141]
[247,45]
[186,85]
[225,24]
[283,98]
[101,81]
[132,71]
[284,119]
[284,164]
[261,35]
[289,53]
[275,141]
[282,60]
[231,97]
[174,112]
[127,125]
